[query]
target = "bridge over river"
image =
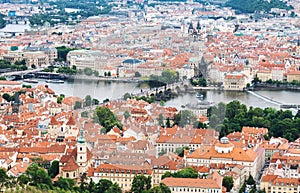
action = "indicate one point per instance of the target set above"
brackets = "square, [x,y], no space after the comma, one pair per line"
[174,88]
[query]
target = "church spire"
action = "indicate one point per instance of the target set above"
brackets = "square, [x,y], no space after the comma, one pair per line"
[198,26]
[191,26]
[81,138]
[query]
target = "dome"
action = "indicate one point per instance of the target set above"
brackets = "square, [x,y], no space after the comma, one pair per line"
[224,146]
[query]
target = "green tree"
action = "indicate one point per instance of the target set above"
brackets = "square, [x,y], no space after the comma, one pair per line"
[168,76]
[3,177]
[162,103]
[107,118]
[96,73]
[160,120]
[2,78]
[140,184]
[199,125]
[243,188]
[60,98]
[40,161]
[162,188]
[38,176]
[23,179]
[88,100]
[126,114]
[103,185]
[65,183]
[250,180]
[180,150]
[6,97]
[91,186]
[108,73]
[162,152]
[184,117]
[54,169]
[88,71]
[227,183]
[202,82]
[114,188]
[184,173]
[83,183]
[78,105]
[95,101]
[126,96]
[62,51]
[137,74]
[168,123]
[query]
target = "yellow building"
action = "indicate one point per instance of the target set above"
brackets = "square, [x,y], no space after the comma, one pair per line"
[264,75]
[275,184]
[234,82]
[120,174]
[294,75]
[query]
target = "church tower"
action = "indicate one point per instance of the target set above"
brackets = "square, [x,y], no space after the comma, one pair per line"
[198,28]
[81,150]
[191,28]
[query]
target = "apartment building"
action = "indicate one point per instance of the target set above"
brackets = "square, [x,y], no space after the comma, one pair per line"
[275,184]
[225,152]
[50,52]
[235,81]
[172,138]
[87,59]
[212,184]
[120,174]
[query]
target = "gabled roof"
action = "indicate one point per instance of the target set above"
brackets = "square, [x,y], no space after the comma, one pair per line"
[71,121]
[191,183]
[71,165]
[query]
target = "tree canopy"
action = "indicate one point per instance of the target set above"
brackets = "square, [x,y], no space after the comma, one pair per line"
[140,184]
[184,173]
[107,118]
[184,117]
[167,77]
[234,115]
[251,6]
[227,183]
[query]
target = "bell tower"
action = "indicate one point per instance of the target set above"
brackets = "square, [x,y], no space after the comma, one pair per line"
[81,150]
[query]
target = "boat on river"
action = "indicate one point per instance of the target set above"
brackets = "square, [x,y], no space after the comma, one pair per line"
[31,81]
[199,96]
[57,81]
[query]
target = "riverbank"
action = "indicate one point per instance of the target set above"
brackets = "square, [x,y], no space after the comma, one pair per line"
[206,88]
[275,87]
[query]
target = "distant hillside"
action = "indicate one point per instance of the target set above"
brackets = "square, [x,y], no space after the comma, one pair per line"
[250,6]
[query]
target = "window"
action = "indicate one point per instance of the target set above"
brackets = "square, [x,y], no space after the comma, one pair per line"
[67,175]
[80,148]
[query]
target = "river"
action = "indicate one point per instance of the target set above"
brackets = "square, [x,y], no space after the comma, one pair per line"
[114,90]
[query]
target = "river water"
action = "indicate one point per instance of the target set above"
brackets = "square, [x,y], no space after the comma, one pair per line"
[114,90]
